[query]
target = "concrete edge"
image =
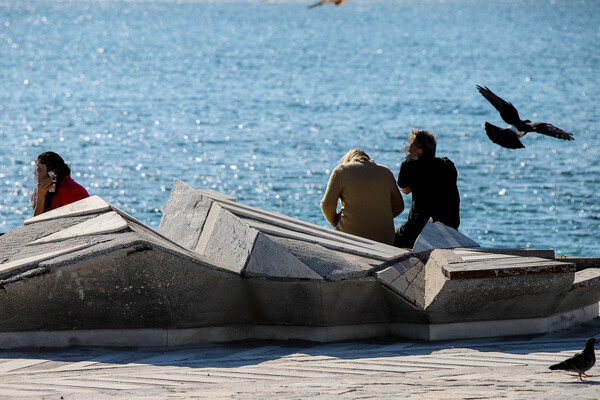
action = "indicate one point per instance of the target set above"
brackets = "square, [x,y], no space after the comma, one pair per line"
[189,336]
[176,337]
[508,327]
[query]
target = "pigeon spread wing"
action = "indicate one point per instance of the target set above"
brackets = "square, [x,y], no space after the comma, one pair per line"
[550,130]
[504,137]
[508,112]
[334,2]
[317,4]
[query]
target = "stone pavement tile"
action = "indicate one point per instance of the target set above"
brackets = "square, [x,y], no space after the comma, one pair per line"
[13,365]
[506,368]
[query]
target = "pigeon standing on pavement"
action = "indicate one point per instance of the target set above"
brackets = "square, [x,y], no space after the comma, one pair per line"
[334,2]
[580,362]
[510,137]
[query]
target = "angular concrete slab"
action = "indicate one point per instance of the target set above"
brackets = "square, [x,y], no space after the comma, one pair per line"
[106,223]
[184,215]
[282,225]
[271,260]
[541,253]
[89,205]
[501,267]
[214,194]
[22,262]
[331,265]
[493,294]
[226,239]
[436,235]
[407,279]
[221,222]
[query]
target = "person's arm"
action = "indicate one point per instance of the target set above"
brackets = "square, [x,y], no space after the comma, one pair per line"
[42,190]
[397,201]
[330,199]
[403,177]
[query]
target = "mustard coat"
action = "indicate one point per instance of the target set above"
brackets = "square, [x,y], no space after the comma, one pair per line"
[370,200]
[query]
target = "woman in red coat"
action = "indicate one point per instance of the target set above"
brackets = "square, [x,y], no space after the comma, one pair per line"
[55,188]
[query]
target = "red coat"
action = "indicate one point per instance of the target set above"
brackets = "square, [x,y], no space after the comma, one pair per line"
[68,192]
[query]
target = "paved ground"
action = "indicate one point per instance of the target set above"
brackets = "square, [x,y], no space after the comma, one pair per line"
[497,368]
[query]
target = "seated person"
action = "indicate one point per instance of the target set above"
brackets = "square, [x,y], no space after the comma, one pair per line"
[369,196]
[432,182]
[55,188]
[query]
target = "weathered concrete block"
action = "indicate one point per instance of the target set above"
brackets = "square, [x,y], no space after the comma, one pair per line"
[316,303]
[184,215]
[284,302]
[508,297]
[136,285]
[89,205]
[269,259]
[329,264]
[356,301]
[108,222]
[436,235]
[583,292]
[226,239]
[407,279]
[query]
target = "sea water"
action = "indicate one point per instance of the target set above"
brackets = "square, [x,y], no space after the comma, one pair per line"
[260,100]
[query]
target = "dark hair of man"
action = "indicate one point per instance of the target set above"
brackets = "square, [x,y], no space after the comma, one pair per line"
[54,162]
[425,140]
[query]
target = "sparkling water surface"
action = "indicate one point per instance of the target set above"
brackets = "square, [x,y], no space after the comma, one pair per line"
[260,100]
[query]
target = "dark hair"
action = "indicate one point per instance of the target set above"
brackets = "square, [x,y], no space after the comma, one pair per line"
[54,162]
[425,140]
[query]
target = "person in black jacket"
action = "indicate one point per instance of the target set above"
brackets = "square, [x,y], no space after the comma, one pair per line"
[432,182]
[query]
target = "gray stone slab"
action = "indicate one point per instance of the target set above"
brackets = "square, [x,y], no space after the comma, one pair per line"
[230,241]
[269,259]
[89,205]
[439,236]
[445,257]
[492,298]
[506,267]
[184,215]
[282,225]
[542,253]
[213,194]
[325,262]
[18,264]
[407,279]
[109,222]
[588,276]
[372,250]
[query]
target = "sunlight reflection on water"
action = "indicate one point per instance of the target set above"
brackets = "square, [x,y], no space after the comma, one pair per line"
[261,100]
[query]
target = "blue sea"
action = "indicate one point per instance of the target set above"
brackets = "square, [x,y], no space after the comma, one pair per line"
[260,100]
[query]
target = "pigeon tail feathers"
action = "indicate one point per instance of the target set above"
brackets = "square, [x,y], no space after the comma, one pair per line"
[503,137]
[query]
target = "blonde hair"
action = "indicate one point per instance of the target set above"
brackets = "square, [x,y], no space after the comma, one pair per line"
[355,155]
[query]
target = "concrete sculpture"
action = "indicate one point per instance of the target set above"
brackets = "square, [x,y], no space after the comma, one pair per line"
[218,270]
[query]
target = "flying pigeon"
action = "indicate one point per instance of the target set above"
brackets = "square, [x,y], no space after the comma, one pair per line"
[334,2]
[580,362]
[510,136]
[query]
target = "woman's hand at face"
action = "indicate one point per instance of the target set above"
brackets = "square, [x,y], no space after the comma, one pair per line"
[44,185]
